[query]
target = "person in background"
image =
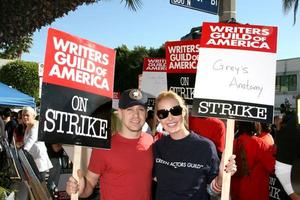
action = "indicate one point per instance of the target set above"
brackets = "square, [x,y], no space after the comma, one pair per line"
[287,142]
[255,163]
[20,130]
[10,124]
[55,153]
[124,171]
[211,128]
[2,128]
[186,165]
[149,125]
[276,126]
[263,131]
[36,149]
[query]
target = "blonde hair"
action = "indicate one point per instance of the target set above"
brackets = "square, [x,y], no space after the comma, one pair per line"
[172,95]
[30,110]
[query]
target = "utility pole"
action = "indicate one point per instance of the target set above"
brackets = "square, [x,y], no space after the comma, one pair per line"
[227,10]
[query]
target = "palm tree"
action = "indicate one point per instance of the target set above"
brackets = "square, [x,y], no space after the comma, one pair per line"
[290,4]
[133,4]
[15,49]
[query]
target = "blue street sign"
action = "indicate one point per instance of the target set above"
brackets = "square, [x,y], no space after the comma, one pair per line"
[209,6]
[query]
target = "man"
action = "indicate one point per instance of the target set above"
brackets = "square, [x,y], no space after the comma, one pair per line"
[10,124]
[125,171]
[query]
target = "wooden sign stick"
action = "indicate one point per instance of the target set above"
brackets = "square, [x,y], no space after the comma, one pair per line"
[227,153]
[76,166]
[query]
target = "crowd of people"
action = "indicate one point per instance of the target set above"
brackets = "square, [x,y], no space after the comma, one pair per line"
[176,156]
[20,129]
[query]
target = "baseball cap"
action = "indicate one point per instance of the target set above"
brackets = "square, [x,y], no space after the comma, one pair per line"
[132,97]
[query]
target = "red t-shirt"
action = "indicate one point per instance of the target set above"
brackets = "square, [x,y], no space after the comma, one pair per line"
[126,169]
[211,128]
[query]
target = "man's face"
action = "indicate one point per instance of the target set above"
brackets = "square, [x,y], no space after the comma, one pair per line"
[133,118]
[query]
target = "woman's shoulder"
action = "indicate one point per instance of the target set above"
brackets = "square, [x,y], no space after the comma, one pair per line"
[160,138]
[201,139]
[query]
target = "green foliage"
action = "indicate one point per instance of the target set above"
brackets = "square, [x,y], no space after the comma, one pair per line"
[129,64]
[5,182]
[15,49]
[20,18]
[23,76]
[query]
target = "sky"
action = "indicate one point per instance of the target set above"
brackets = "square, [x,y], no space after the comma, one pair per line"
[111,24]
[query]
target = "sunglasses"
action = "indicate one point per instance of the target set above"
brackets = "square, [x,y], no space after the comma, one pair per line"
[164,113]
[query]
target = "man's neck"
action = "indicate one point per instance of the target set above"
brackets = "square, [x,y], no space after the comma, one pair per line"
[130,134]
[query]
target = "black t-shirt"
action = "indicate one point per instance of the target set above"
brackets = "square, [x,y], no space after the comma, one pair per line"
[184,167]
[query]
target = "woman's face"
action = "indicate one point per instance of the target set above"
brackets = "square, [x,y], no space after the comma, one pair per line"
[27,117]
[172,123]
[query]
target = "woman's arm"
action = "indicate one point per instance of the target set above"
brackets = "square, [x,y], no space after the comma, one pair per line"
[31,137]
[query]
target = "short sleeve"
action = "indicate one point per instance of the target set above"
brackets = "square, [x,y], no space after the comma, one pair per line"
[97,162]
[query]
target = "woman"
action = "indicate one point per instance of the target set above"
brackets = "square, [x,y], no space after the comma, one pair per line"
[19,131]
[186,164]
[37,149]
[255,163]
[263,131]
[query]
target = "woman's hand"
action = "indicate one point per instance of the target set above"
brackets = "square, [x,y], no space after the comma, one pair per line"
[230,167]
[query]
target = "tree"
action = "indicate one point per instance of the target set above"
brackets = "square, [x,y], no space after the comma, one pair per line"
[129,64]
[18,18]
[23,76]
[290,4]
[133,4]
[15,49]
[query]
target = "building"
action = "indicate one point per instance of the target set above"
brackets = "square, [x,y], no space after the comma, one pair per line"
[287,82]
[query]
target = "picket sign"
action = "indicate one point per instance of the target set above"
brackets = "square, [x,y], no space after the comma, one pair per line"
[76,166]
[227,153]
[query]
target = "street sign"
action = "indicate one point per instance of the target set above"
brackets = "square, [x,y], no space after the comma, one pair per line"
[209,6]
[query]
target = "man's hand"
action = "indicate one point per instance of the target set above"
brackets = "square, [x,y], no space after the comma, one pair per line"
[295,196]
[73,186]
